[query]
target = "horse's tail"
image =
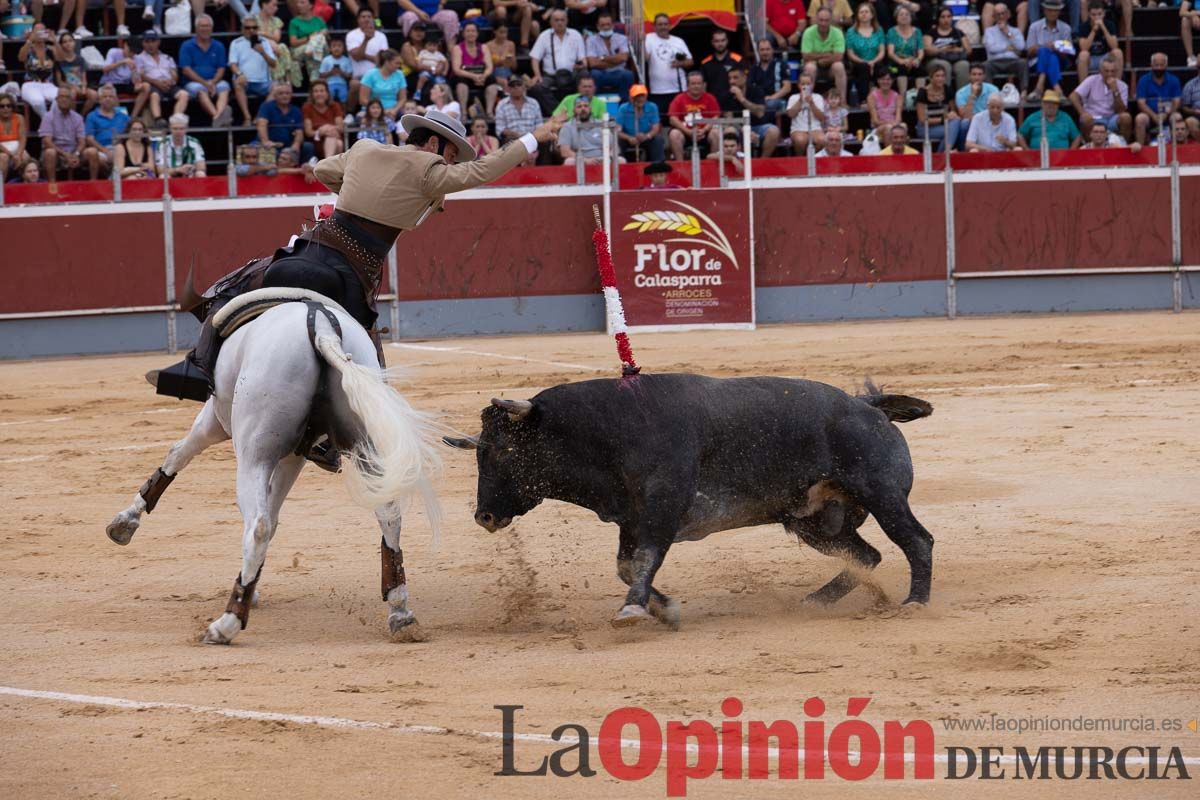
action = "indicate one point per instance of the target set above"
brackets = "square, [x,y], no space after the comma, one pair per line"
[396,457]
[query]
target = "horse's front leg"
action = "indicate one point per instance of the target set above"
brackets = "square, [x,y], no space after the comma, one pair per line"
[206,431]
[402,623]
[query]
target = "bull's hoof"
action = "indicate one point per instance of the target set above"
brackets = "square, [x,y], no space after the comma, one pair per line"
[222,630]
[818,599]
[121,529]
[631,615]
[404,628]
[918,602]
[666,613]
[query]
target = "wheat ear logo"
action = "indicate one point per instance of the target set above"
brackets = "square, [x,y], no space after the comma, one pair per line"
[692,223]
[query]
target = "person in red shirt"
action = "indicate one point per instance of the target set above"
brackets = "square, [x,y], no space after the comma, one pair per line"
[786,22]
[686,112]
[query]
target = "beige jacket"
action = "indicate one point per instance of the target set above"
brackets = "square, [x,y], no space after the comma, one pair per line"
[398,186]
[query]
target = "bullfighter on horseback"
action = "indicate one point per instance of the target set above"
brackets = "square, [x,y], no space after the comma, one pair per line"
[382,191]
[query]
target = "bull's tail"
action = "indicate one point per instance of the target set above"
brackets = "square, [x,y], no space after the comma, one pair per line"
[396,458]
[897,407]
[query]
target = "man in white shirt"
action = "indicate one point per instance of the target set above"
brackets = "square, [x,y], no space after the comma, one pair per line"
[833,145]
[667,62]
[1005,46]
[993,130]
[363,45]
[560,48]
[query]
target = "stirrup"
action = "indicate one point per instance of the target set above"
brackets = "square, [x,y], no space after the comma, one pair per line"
[325,456]
[184,381]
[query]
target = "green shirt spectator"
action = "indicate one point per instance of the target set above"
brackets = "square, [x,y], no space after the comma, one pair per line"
[906,48]
[813,42]
[567,106]
[1061,131]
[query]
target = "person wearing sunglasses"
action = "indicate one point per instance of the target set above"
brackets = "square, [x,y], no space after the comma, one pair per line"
[251,59]
[13,137]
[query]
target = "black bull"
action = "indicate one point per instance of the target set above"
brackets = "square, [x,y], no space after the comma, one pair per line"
[676,457]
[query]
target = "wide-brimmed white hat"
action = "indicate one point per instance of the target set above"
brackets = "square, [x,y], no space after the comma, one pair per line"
[445,126]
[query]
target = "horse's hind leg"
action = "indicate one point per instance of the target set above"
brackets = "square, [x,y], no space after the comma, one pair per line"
[402,623]
[262,485]
[206,431]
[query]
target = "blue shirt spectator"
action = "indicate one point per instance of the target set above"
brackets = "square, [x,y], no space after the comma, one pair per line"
[1152,92]
[283,119]
[338,88]
[643,121]
[103,128]
[204,62]
[385,89]
[249,61]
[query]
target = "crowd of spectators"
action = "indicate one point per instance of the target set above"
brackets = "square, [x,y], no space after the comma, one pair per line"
[913,69]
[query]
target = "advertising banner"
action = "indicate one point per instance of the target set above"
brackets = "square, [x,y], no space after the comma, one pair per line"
[684,259]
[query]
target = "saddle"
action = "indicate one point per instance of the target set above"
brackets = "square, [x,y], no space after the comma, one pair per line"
[246,307]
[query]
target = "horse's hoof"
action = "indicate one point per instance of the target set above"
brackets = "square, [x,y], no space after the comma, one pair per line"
[668,613]
[120,531]
[406,629]
[222,630]
[255,599]
[631,615]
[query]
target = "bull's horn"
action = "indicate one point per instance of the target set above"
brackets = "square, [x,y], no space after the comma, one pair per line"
[517,409]
[463,442]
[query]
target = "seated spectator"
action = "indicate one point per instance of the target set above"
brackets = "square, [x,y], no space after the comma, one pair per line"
[585,88]
[377,125]
[1046,36]
[770,75]
[897,142]
[807,108]
[323,121]
[71,72]
[579,139]
[414,11]
[840,12]
[355,8]
[180,155]
[658,171]
[414,43]
[716,66]
[1189,106]
[1014,10]
[288,163]
[732,155]
[471,65]
[1189,21]
[251,58]
[1158,97]
[1061,133]
[906,50]
[386,84]
[822,48]
[581,14]
[504,12]
[30,173]
[363,45]
[937,116]
[608,57]
[866,48]
[202,61]
[1180,134]
[410,107]
[433,65]
[39,91]
[250,162]
[336,70]
[307,39]
[1005,46]
[993,129]
[271,28]
[837,116]
[1100,138]
[972,98]
[118,71]
[786,20]
[884,104]
[503,53]
[687,113]
[517,115]
[763,132]
[833,146]
[439,98]
[280,124]
[1036,10]
[63,137]
[640,129]
[945,44]
[480,139]
[1097,38]
[667,57]
[158,71]
[14,139]
[101,128]
[134,156]
[555,57]
[1105,98]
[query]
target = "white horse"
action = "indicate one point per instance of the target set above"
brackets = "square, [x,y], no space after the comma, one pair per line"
[270,375]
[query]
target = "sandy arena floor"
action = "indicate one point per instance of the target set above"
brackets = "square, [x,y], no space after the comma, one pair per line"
[1058,476]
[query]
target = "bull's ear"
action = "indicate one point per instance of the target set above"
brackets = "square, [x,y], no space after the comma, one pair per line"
[463,443]
[517,409]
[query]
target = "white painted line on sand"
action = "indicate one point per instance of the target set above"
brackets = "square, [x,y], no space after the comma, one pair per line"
[355,724]
[34,421]
[465,352]
[983,388]
[137,446]
[22,459]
